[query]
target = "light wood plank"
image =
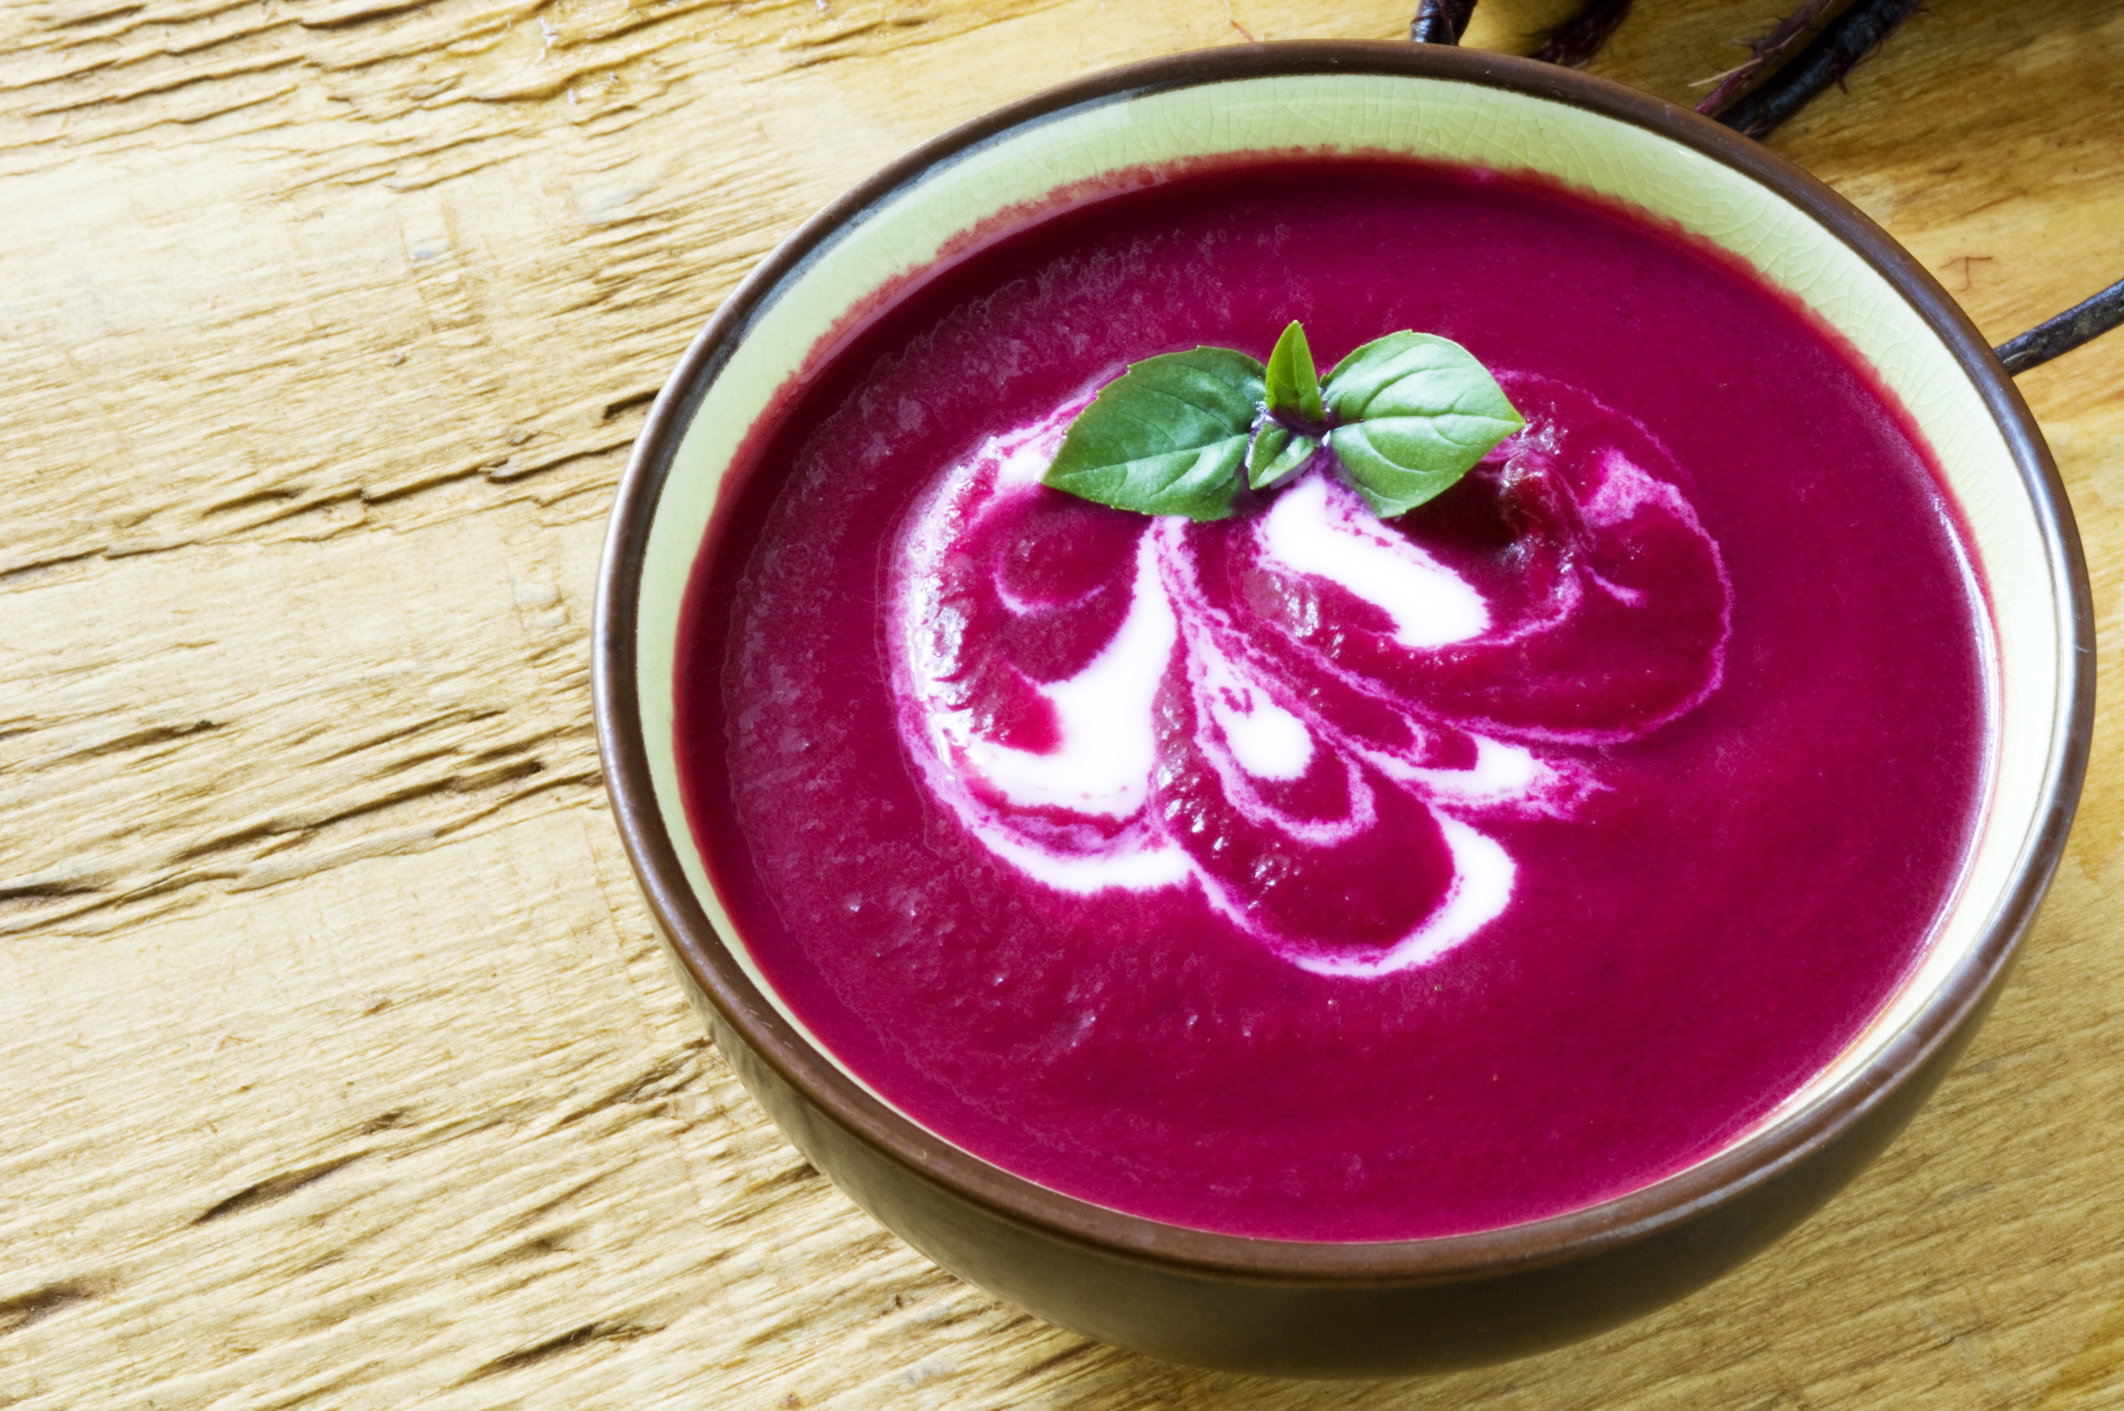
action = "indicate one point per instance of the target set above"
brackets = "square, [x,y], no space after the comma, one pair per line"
[342,1070]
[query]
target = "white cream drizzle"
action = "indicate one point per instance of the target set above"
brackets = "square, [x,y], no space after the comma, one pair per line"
[1076,817]
[1339,540]
[1104,713]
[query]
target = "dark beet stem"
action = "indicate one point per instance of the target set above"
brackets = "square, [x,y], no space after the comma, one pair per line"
[1764,55]
[1580,37]
[1820,64]
[2066,332]
[1441,21]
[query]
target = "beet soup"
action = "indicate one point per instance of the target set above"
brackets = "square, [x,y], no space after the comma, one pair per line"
[1309,875]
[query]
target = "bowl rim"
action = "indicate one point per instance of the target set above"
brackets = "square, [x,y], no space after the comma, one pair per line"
[1762,1156]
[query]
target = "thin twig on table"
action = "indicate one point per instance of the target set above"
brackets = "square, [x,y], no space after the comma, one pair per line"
[1820,64]
[1579,38]
[1765,52]
[1441,21]
[2078,324]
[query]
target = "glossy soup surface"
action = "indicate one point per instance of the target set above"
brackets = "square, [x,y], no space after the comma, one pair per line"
[1305,875]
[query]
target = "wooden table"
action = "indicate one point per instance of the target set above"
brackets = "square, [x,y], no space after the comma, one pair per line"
[338,1067]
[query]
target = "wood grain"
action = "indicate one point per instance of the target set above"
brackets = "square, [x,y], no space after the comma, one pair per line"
[340,1066]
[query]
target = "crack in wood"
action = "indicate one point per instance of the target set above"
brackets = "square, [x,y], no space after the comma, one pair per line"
[803,1173]
[280,848]
[527,1219]
[660,1081]
[228,842]
[384,1121]
[406,731]
[143,739]
[98,54]
[455,782]
[1035,1371]
[554,1346]
[534,1247]
[629,402]
[173,84]
[24,1309]
[22,572]
[450,1131]
[274,1188]
[91,15]
[34,893]
[277,496]
[358,13]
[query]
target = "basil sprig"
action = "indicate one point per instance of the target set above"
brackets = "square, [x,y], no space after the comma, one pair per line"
[1401,419]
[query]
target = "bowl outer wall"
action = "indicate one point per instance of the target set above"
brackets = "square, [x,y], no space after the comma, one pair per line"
[1352,1326]
[1620,1256]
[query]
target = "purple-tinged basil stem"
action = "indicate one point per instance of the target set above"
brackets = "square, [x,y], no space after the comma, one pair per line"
[1765,53]
[1579,38]
[1441,21]
[2079,324]
[1854,35]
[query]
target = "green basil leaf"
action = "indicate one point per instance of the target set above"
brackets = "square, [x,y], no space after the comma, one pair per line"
[1277,454]
[1293,382]
[1415,413]
[1169,436]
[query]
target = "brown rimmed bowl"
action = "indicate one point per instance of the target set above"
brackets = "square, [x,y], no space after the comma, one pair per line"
[1374,1308]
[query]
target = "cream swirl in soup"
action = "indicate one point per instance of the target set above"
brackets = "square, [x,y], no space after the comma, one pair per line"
[1303,711]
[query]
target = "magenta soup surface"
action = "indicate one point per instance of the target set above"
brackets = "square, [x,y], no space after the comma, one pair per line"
[1304,875]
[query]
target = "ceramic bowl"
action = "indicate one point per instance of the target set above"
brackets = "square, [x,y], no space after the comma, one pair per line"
[1358,1309]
